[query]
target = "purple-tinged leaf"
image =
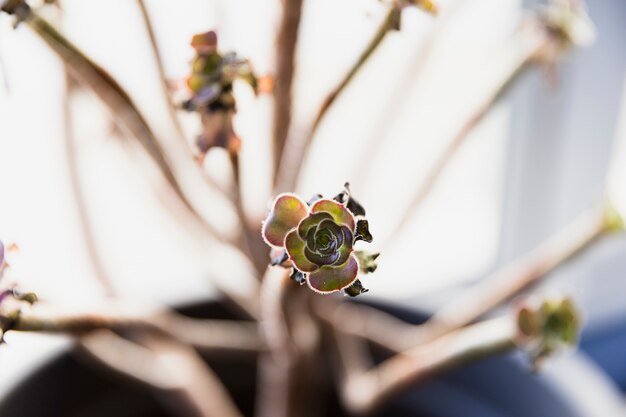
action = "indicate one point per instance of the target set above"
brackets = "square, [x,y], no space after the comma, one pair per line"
[286,214]
[295,248]
[340,213]
[329,279]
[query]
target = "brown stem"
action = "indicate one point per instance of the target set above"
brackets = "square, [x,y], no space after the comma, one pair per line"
[204,334]
[365,390]
[294,151]
[285,68]
[408,74]
[250,238]
[182,381]
[161,70]
[526,52]
[515,277]
[275,365]
[84,219]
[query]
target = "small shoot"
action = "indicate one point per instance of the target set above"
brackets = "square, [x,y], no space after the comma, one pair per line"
[545,327]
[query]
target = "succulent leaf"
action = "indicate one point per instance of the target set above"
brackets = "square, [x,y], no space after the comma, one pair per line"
[295,248]
[329,279]
[286,214]
[340,213]
[310,222]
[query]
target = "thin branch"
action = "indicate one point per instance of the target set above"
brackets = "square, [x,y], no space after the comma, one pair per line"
[125,357]
[275,365]
[353,356]
[285,68]
[366,390]
[161,70]
[204,334]
[509,281]
[84,219]
[363,321]
[389,22]
[409,73]
[294,150]
[183,382]
[527,45]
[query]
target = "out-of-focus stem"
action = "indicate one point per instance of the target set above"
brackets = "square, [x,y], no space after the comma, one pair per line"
[182,381]
[409,73]
[204,334]
[364,390]
[515,277]
[294,149]
[276,364]
[161,70]
[79,197]
[527,47]
[251,241]
[285,69]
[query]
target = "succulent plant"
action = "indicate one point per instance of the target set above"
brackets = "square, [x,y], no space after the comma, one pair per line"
[318,240]
[545,327]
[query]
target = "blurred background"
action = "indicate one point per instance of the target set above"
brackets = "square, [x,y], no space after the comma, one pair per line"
[539,158]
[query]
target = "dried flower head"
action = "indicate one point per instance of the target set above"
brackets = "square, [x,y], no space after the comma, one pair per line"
[318,240]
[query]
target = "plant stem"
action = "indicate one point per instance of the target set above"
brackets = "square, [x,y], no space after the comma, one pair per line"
[294,151]
[365,390]
[285,69]
[527,47]
[83,217]
[510,280]
[161,70]
[182,382]
[275,365]
[407,74]
[204,334]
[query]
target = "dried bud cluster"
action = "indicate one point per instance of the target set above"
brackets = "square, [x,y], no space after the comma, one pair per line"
[211,86]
